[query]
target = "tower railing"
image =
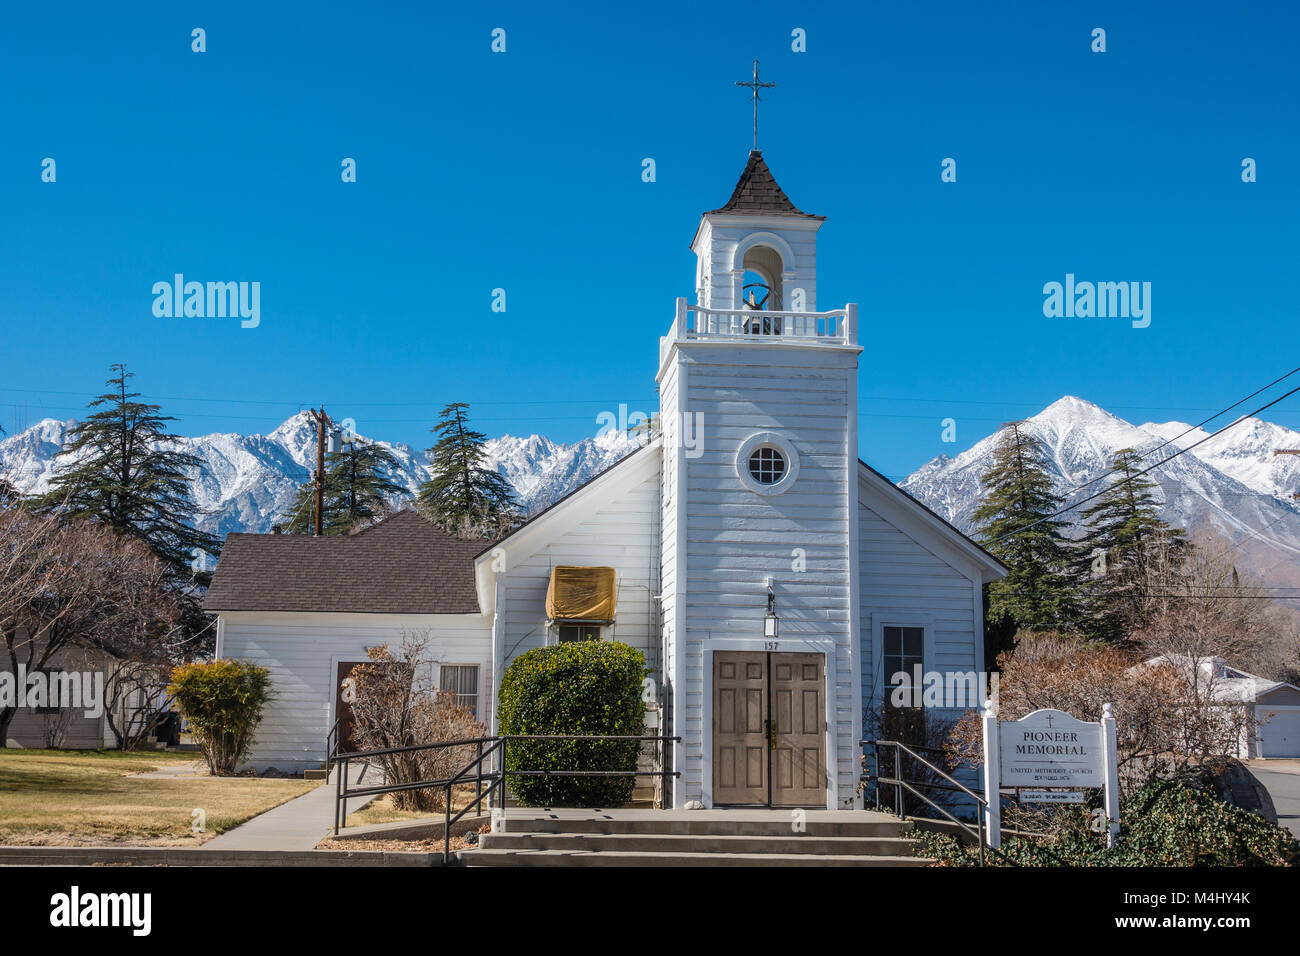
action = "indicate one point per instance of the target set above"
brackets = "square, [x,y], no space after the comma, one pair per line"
[693,323]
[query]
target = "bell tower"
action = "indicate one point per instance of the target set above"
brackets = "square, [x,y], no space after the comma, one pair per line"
[758,250]
[758,407]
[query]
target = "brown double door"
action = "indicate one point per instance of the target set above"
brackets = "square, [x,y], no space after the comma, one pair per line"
[769,729]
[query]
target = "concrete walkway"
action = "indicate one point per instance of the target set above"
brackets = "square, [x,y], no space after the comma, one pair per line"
[299,824]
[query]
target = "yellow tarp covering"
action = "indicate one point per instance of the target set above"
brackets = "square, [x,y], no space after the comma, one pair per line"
[580,594]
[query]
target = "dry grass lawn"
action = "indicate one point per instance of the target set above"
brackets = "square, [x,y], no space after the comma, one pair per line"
[381,809]
[99,798]
[397,846]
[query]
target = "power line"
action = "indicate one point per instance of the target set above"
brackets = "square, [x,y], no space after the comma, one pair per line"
[1189,430]
[254,401]
[494,402]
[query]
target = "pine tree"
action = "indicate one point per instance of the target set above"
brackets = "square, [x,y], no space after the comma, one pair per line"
[1013,517]
[119,468]
[1123,537]
[359,481]
[462,496]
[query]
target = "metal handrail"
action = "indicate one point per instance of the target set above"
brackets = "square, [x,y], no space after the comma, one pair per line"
[496,780]
[479,795]
[383,751]
[343,792]
[982,804]
[331,744]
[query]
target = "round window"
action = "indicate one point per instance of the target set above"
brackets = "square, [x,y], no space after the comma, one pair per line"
[767,465]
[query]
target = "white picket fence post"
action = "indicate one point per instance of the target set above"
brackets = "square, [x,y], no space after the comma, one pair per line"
[992,778]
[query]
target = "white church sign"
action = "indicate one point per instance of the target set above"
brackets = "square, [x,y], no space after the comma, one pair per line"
[1049,748]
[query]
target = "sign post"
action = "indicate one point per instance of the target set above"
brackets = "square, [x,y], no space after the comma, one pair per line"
[992,778]
[1110,758]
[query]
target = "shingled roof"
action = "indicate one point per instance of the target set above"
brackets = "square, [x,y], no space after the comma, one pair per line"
[403,565]
[757,194]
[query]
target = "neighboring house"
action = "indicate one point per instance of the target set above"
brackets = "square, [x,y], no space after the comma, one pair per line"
[309,608]
[1275,730]
[76,727]
[772,579]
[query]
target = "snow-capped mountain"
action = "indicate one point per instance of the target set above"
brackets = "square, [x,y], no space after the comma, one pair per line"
[1232,484]
[246,483]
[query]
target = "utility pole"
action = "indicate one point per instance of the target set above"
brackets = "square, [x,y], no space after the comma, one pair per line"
[322,423]
[1288,451]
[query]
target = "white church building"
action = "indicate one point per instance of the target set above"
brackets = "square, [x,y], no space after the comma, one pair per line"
[772,579]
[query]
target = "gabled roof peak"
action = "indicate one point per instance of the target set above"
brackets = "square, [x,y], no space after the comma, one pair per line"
[757,193]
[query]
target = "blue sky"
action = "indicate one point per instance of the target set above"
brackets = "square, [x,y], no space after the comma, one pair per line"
[522,171]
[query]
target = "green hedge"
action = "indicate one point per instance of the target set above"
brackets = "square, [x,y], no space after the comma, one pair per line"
[585,688]
[1162,824]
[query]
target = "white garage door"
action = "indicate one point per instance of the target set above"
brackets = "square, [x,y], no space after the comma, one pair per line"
[1280,735]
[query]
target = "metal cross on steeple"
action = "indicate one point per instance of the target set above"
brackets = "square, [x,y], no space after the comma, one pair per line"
[755,86]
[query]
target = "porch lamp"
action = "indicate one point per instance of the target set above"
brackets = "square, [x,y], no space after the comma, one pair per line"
[771,623]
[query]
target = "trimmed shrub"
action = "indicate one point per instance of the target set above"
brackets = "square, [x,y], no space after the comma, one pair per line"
[1164,824]
[584,688]
[223,701]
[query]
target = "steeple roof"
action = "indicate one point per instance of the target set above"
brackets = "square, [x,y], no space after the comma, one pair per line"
[757,193]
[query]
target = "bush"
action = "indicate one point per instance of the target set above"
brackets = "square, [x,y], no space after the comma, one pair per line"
[1160,723]
[586,688]
[395,704]
[223,701]
[1163,824]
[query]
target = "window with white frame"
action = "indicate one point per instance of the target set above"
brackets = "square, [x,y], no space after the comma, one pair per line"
[902,650]
[461,681]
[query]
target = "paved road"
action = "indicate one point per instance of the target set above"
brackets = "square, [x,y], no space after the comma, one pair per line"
[1281,778]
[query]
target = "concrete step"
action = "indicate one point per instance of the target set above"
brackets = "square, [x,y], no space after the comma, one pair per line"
[488,857]
[700,843]
[734,823]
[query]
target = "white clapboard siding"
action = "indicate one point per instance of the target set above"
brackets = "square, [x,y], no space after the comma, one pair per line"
[303,652]
[621,532]
[903,583]
[731,539]
[912,580]
[671,575]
